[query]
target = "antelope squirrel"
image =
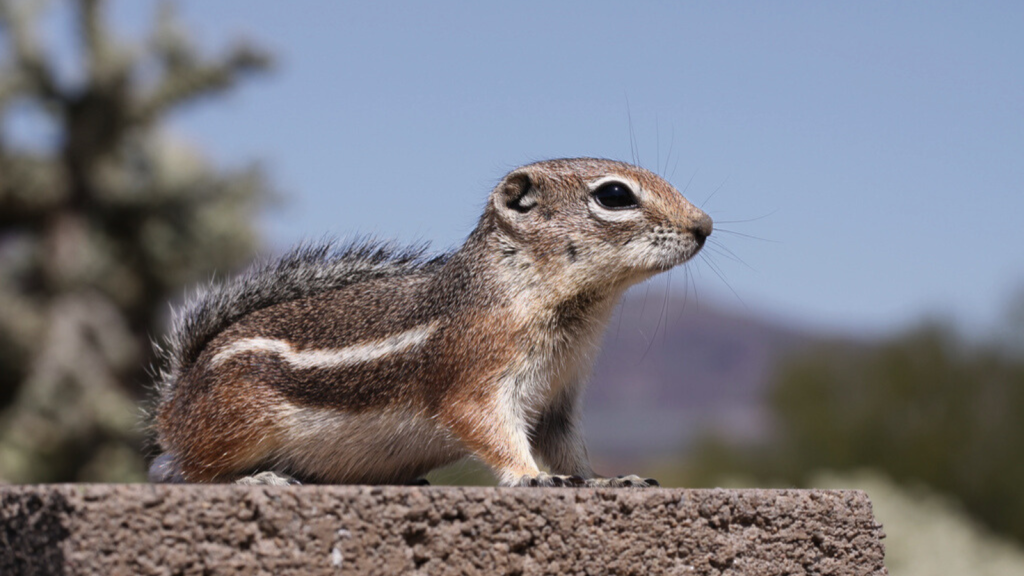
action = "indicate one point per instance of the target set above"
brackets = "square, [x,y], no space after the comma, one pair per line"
[370,364]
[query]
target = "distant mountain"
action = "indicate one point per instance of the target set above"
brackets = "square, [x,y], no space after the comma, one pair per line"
[671,369]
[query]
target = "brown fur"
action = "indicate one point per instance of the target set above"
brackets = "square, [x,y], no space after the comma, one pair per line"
[488,352]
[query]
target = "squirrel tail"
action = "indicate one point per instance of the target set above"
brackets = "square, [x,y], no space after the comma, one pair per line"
[305,271]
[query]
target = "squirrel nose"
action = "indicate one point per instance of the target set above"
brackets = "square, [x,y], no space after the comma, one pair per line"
[701,228]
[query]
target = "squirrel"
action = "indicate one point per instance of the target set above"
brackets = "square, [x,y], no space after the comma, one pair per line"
[372,364]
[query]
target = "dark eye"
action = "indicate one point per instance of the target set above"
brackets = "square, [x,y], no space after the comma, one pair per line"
[615,196]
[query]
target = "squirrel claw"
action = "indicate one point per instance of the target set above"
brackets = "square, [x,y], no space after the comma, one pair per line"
[546,480]
[630,481]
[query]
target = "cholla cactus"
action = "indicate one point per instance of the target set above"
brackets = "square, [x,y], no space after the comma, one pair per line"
[98,229]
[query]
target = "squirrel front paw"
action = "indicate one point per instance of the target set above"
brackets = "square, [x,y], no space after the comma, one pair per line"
[630,481]
[545,480]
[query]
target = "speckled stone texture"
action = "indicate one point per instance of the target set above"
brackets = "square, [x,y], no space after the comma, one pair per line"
[161,529]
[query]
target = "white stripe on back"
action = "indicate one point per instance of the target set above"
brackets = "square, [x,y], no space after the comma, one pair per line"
[330,358]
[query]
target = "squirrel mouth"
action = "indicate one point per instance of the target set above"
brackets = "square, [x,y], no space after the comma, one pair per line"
[681,255]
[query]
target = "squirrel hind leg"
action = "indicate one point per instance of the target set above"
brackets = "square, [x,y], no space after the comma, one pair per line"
[219,434]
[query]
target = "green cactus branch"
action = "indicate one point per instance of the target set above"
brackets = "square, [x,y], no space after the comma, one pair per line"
[17,21]
[98,230]
[190,81]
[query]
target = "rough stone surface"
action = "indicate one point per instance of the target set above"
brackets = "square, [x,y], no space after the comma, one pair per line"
[160,529]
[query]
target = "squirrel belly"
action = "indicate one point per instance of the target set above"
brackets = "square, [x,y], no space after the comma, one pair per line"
[368,364]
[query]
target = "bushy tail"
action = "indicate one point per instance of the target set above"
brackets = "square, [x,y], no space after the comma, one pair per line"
[305,271]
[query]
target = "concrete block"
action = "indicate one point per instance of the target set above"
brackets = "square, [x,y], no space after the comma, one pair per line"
[226,529]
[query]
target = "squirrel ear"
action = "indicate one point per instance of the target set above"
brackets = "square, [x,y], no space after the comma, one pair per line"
[518,193]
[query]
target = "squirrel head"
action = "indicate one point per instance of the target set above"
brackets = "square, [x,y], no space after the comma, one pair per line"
[593,224]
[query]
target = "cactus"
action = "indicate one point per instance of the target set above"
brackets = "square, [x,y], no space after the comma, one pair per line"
[100,226]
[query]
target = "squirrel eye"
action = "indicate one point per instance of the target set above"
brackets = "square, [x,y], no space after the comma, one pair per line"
[615,196]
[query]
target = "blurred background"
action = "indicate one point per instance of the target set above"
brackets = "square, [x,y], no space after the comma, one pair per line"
[856,321]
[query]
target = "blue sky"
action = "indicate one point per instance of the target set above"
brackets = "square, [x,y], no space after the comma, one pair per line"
[874,149]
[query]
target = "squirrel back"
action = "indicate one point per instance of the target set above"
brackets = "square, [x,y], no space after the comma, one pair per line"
[306,270]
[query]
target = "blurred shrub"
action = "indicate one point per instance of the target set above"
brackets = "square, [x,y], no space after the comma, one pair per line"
[924,408]
[103,218]
[927,534]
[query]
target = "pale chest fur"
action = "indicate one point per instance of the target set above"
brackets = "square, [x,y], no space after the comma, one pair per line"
[556,348]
